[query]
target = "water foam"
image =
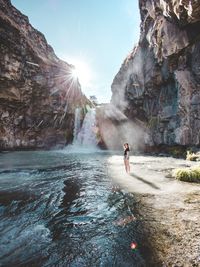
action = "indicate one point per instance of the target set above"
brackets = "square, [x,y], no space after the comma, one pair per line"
[85,140]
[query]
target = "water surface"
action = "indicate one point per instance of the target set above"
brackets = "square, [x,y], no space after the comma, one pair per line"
[61,209]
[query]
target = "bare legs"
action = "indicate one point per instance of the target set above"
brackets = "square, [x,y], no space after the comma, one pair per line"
[127,165]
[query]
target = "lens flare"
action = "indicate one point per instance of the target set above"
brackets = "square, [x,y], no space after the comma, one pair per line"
[133,245]
[82,73]
[74,73]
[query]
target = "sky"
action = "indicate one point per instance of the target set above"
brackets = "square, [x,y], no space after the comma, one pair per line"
[94,35]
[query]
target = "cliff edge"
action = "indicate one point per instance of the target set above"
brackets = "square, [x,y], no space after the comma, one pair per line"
[37,94]
[159,81]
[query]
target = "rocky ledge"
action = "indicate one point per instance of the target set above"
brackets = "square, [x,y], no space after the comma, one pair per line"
[170,229]
[158,83]
[167,210]
[37,94]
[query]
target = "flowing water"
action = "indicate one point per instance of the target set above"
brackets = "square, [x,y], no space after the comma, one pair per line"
[77,124]
[58,208]
[85,135]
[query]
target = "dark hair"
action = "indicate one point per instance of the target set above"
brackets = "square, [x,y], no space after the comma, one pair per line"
[127,145]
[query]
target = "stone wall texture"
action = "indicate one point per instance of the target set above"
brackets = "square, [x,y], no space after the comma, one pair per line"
[37,94]
[159,82]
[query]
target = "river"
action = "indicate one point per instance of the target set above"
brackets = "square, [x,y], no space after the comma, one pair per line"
[61,209]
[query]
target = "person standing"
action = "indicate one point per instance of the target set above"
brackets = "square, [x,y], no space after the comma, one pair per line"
[126,157]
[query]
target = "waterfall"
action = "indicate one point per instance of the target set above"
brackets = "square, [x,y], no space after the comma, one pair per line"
[77,124]
[85,136]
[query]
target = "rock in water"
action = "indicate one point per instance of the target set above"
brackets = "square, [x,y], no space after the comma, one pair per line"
[159,82]
[37,94]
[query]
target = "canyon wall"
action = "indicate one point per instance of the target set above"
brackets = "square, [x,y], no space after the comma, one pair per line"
[37,92]
[158,83]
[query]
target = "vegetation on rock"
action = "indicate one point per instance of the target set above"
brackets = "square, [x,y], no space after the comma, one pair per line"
[187,174]
[192,156]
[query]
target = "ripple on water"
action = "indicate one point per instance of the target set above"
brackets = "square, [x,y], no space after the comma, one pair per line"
[60,209]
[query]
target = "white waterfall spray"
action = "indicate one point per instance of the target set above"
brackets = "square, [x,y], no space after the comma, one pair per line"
[77,123]
[85,136]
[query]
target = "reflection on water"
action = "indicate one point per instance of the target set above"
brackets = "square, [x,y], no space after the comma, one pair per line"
[60,209]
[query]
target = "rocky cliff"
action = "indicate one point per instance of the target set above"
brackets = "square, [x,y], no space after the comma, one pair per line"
[159,82]
[37,92]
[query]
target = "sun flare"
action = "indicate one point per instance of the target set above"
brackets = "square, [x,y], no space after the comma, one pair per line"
[81,72]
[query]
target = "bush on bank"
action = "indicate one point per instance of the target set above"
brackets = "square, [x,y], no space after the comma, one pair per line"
[192,156]
[187,174]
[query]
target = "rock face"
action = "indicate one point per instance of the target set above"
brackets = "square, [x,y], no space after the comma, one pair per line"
[159,82]
[37,93]
[115,129]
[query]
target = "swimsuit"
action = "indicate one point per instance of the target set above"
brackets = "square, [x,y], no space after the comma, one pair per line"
[126,154]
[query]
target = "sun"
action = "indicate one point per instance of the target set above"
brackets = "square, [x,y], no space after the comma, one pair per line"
[81,71]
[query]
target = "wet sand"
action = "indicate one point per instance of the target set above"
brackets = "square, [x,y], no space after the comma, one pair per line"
[168,210]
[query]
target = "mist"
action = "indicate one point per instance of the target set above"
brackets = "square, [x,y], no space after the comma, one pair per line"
[115,129]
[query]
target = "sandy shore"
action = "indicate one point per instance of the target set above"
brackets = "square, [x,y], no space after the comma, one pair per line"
[168,210]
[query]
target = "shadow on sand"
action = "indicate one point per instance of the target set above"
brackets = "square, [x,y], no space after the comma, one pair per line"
[144,181]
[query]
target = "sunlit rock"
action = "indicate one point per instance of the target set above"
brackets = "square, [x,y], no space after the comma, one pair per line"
[37,94]
[158,83]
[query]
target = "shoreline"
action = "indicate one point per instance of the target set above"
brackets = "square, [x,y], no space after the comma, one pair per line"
[170,233]
[167,210]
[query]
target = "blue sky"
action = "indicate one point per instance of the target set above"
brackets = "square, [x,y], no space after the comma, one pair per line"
[99,34]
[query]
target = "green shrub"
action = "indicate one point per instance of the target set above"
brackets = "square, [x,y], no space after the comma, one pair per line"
[192,156]
[177,151]
[153,122]
[187,174]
